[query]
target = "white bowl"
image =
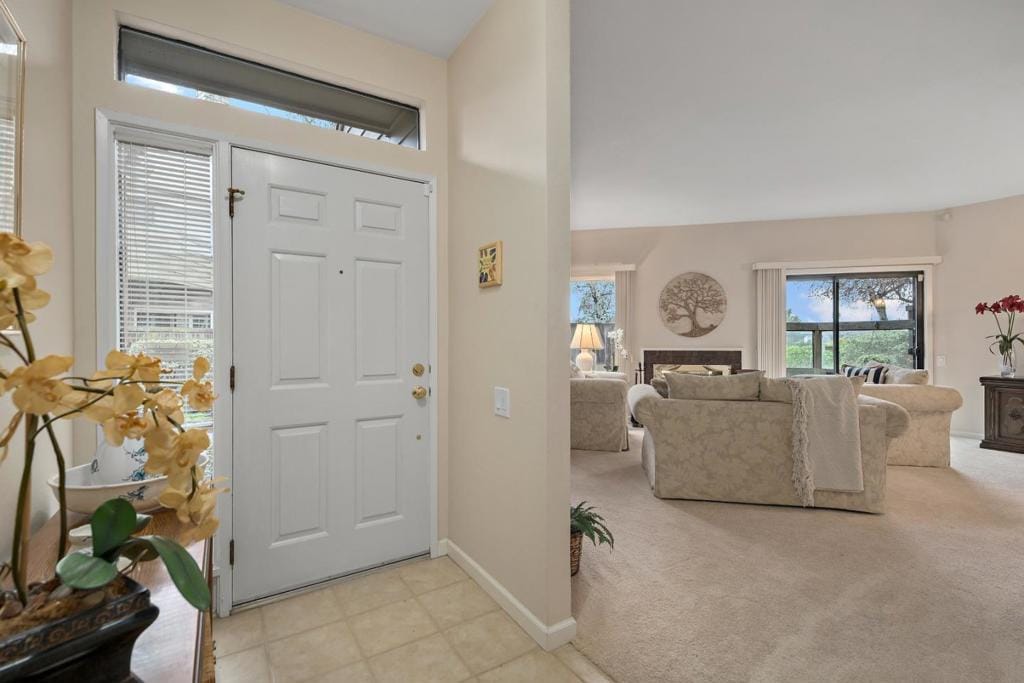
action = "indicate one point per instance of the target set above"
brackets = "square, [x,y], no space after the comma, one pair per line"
[86,490]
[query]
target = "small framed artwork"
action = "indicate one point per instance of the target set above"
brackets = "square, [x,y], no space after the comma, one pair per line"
[490,264]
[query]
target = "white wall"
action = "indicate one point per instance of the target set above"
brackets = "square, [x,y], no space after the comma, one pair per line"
[46,202]
[509,167]
[981,247]
[283,36]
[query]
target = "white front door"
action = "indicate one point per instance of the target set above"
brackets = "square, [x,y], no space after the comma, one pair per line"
[331,449]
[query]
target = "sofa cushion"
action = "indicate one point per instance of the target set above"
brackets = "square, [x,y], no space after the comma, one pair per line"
[897,375]
[872,374]
[742,387]
[660,385]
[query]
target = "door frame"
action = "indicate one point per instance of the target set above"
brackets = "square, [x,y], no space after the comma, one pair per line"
[107,122]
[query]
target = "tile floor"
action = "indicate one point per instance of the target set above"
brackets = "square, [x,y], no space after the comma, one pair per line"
[423,621]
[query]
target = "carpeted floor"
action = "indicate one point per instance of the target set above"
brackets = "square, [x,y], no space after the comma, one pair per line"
[698,591]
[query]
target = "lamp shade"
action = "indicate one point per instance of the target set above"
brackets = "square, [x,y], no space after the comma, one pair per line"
[586,336]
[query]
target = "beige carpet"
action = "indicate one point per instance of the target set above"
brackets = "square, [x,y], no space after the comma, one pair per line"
[697,591]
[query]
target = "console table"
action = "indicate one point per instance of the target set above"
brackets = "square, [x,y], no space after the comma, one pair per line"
[178,646]
[1004,413]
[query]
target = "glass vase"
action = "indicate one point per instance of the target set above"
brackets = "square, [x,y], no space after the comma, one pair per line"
[1007,364]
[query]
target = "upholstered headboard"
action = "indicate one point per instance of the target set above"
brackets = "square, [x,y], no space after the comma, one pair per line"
[653,357]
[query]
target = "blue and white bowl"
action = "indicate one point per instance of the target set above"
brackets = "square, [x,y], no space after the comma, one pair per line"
[89,486]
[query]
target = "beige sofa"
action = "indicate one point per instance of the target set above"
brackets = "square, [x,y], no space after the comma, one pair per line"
[741,451]
[598,412]
[926,441]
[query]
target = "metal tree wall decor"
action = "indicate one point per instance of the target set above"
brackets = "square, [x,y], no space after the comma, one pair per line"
[692,304]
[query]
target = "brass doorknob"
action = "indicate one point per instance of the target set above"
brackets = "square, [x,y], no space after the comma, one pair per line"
[419,392]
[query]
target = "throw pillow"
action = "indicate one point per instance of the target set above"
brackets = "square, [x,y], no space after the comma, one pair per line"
[744,386]
[660,385]
[897,375]
[777,390]
[872,374]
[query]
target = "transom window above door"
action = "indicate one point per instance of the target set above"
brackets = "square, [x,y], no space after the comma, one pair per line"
[180,68]
[854,319]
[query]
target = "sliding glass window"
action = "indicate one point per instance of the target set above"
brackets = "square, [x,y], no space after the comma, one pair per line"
[854,319]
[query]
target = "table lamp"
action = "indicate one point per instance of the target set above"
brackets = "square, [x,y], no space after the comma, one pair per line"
[586,337]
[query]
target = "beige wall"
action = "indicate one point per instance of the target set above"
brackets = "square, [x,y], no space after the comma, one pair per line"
[46,201]
[981,247]
[728,251]
[270,32]
[509,487]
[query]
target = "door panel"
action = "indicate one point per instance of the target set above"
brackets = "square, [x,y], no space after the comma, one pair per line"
[331,452]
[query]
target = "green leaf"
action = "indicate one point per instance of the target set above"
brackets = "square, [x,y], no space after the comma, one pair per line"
[181,567]
[112,523]
[79,570]
[137,551]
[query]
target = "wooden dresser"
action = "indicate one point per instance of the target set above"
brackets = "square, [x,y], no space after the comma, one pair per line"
[1004,413]
[178,646]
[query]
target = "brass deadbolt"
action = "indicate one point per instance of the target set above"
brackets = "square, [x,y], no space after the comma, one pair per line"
[418,369]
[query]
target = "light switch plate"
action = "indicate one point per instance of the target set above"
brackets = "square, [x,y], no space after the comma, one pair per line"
[501,402]
[940,361]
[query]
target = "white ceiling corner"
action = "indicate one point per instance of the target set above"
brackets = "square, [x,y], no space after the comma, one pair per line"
[434,26]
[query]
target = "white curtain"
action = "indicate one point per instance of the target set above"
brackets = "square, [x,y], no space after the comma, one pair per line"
[771,321]
[624,319]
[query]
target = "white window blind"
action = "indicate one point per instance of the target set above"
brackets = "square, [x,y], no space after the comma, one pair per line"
[8,131]
[164,202]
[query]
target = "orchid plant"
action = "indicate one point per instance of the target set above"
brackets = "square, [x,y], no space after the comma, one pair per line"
[618,337]
[129,398]
[1008,306]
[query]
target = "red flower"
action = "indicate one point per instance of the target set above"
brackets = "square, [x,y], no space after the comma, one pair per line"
[996,308]
[981,308]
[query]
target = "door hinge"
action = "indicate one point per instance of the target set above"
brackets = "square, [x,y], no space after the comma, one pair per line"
[428,189]
[233,192]
[231,552]
[231,378]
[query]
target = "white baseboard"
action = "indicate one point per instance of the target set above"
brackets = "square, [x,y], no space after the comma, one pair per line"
[548,637]
[439,549]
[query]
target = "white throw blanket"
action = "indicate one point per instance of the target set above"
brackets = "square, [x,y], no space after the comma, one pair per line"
[826,437]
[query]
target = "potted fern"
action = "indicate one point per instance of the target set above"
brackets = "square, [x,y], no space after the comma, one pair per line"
[583,521]
[80,621]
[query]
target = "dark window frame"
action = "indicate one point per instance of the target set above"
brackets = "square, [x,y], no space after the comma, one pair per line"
[917,324]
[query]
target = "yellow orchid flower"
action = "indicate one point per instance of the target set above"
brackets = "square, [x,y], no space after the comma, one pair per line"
[136,367]
[35,389]
[31,299]
[167,403]
[126,426]
[169,451]
[23,257]
[199,394]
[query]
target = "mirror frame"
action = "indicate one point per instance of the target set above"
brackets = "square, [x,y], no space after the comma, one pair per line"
[19,113]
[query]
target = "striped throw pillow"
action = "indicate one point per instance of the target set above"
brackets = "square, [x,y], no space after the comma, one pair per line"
[872,374]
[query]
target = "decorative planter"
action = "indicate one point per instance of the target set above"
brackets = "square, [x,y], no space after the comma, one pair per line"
[92,645]
[575,551]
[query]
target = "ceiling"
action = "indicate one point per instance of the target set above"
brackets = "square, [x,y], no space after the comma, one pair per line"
[702,111]
[434,26]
